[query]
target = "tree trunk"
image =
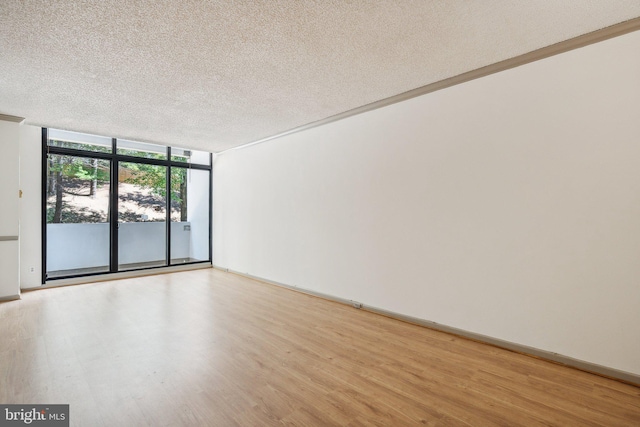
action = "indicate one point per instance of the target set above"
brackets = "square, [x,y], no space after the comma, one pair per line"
[57,215]
[183,199]
[94,181]
[51,182]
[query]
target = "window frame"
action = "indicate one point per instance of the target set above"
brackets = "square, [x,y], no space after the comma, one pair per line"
[114,160]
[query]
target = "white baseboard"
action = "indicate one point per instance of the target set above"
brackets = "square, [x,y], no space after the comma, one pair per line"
[10,298]
[115,276]
[561,359]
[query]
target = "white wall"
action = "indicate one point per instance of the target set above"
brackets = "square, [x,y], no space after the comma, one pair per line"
[507,206]
[9,211]
[30,206]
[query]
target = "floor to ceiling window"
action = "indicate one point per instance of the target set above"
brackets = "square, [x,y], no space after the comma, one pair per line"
[116,205]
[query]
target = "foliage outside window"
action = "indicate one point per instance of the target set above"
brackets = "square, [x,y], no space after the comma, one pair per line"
[73,188]
[79,176]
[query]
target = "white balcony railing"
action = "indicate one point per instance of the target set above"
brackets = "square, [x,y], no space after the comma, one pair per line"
[78,246]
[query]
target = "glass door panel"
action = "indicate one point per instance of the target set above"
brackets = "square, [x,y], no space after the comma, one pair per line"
[189,215]
[142,232]
[77,200]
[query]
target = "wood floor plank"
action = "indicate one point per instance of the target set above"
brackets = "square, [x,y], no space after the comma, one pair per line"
[209,348]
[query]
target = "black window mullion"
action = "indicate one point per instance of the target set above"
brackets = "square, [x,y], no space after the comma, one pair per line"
[134,159]
[45,164]
[121,157]
[77,153]
[113,211]
[210,208]
[168,206]
[190,166]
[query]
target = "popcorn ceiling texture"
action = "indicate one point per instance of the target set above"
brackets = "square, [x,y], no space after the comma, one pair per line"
[212,75]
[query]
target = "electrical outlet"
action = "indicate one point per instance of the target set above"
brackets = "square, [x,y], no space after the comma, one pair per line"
[32,269]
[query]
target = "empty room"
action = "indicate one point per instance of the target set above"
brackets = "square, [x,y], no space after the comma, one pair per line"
[319,213]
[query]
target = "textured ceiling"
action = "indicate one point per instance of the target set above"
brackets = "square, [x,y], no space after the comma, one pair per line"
[212,75]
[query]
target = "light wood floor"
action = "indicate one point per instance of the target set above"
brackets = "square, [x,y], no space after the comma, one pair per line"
[208,348]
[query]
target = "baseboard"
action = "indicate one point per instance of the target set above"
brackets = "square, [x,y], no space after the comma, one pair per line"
[116,276]
[561,359]
[10,298]
[593,368]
